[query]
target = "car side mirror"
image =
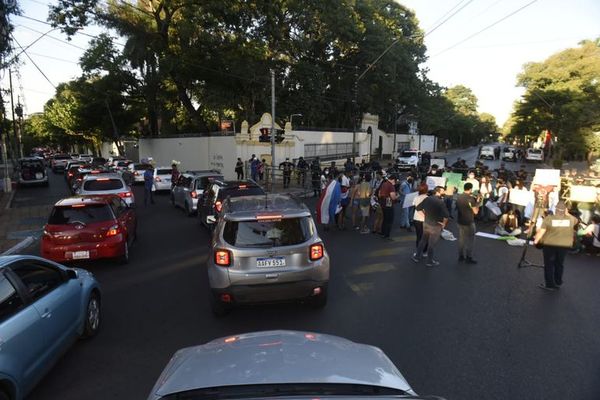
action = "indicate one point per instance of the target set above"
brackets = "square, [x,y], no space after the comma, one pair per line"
[72,274]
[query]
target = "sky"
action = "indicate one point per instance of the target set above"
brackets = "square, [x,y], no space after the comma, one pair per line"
[488,63]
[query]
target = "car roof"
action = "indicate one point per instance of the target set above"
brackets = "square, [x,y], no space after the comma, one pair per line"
[248,207]
[278,357]
[110,175]
[232,184]
[7,260]
[204,172]
[157,168]
[86,200]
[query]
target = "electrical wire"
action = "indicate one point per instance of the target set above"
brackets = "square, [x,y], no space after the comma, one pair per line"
[34,64]
[53,58]
[486,28]
[448,18]
[54,38]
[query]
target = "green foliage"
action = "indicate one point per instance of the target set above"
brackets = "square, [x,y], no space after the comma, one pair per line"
[562,95]
[7,8]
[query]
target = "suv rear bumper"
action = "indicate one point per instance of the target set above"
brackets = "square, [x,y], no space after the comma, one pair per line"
[271,293]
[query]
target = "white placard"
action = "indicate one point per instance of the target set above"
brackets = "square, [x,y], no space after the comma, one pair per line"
[408,199]
[433,181]
[584,194]
[520,197]
[440,162]
[547,177]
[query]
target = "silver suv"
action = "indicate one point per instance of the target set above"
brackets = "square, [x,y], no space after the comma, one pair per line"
[266,249]
[190,187]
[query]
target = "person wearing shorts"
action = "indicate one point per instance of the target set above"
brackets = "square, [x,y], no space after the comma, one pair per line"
[363,197]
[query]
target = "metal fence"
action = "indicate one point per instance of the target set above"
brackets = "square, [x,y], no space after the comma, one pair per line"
[328,151]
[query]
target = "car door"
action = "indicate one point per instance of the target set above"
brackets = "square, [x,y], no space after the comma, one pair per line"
[207,202]
[128,218]
[178,191]
[20,333]
[57,301]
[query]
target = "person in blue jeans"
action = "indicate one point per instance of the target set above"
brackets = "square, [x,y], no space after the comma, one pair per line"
[148,183]
[405,188]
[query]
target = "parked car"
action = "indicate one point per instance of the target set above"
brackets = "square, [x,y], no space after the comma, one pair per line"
[106,183]
[89,228]
[282,365]
[32,171]
[138,169]
[488,152]
[408,159]
[44,308]
[509,154]
[211,203]
[59,162]
[113,160]
[120,166]
[190,187]
[87,158]
[162,178]
[266,249]
[534,155]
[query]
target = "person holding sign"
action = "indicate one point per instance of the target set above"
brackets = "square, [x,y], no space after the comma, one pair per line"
[556,235]
[436,218]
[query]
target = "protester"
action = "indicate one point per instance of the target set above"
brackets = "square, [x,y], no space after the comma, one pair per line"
[467,207]
[590,236]
[419,216]
[174,175]
[486,190]
[239,169]
[262,166]
[405,188]
[503,191]
[377,210]
[254,163]
[508,224]
[315,170]
[344,200]
[556,235]
[302,167]
[348,166]
[363,194]
[473,181]
[148,186]
[287,167]
[329,203]
[436,218]
[387,197]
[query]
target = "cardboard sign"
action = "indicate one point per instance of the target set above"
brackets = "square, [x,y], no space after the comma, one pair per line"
[433,181]
[452,179]
[547,177]
[520,197]
[440,162]
[408,199]
[583,194]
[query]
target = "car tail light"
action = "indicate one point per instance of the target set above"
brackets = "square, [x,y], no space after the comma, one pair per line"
[223,257]
[112,231]
[218,206]
[125,194]
[136,173]
[194,195]
[316,252]
[157,179]
[70,174]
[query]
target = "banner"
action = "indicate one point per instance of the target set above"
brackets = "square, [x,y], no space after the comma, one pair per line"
[547,177]
[433,181]
[583,194]
[408,199]
[521,197]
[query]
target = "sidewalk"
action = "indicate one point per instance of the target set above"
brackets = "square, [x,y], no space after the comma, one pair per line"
[20,227]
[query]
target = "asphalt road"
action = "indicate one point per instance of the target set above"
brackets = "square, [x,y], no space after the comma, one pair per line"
[460,331]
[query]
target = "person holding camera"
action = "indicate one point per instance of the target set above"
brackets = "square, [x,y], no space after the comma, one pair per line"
[557,237]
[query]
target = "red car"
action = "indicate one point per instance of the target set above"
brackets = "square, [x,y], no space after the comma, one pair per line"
[89,227]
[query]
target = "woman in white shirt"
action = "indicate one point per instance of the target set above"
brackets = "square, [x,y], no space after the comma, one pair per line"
[419,216]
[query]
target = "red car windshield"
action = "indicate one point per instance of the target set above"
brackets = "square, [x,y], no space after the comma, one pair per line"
[88,214]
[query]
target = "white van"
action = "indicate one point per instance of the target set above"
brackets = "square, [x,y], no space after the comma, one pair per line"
[487,152]
[534,155]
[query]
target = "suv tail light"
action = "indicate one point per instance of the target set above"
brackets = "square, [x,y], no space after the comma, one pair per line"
[194,194]
[112,231]
[157,179]
[125,194]
[218,206]
[316,252]
[223,257]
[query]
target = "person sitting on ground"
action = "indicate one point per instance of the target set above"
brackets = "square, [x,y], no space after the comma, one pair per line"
[590,236]
[508,224]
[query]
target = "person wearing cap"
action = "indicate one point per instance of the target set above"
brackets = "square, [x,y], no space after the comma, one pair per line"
[387,196]
[557,237]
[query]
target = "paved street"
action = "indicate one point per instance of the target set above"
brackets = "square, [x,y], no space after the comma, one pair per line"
[458,331]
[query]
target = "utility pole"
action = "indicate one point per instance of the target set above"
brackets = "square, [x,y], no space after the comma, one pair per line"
[14,151]
[19,112]
[4,135]
[272,131]
[353,112]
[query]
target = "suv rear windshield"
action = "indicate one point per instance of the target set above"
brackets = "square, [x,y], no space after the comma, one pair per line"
[103,184]
[164,171]
[88,215]
[203,182]
[408,153]
[32,164]
[276,233]
[140,167]
[238,192]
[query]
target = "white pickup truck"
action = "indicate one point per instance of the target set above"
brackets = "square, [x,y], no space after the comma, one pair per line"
[408,159]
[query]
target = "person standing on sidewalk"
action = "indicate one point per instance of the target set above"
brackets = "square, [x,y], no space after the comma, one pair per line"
[387,198]
[436,218]
[467,207]
[239,169]
[287,167]
[405,188]
[315,177]
[557,236]
[148,185]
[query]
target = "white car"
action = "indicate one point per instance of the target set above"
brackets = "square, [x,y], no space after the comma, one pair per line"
[509,154]
[106,183]
[408,159]
[487,152]
[534,155]
[162,178]
[138,169]
[86,158]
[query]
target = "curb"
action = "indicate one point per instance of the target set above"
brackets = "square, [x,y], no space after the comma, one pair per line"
[28,241]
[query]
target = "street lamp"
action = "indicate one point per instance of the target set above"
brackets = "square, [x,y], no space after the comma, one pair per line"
[292,116]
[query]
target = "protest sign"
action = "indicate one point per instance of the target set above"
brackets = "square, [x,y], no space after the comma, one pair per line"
[547,177]
[433,181]
[583,194]
[520,197]
[408,199]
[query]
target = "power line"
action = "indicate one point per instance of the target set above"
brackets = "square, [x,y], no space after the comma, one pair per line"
[449,17]
[55,38]
[447,12]
[486,28]
[53,58]
[34,64]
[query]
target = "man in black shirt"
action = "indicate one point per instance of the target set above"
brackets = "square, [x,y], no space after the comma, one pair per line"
[287,167]
[436,218]
[467,207]
[302,167]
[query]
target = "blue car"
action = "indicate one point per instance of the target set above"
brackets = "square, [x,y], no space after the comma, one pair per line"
[44,308]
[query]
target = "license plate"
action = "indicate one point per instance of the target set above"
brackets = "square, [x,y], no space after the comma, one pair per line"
[270,262]
[80,255]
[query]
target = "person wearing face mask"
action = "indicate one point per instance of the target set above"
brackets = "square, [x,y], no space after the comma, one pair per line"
[405,188]
[486,191]
[473,181]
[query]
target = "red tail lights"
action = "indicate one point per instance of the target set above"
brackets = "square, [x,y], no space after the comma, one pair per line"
[316,252]
[223,257]
[112,231]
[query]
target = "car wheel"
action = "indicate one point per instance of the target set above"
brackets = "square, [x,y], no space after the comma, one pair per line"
[218,308]
[320,300]
[92,316]
[124,259]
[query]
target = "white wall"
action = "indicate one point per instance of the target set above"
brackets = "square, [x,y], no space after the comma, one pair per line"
[194,153]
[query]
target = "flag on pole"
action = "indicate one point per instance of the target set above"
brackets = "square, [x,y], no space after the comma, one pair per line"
[329,202]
